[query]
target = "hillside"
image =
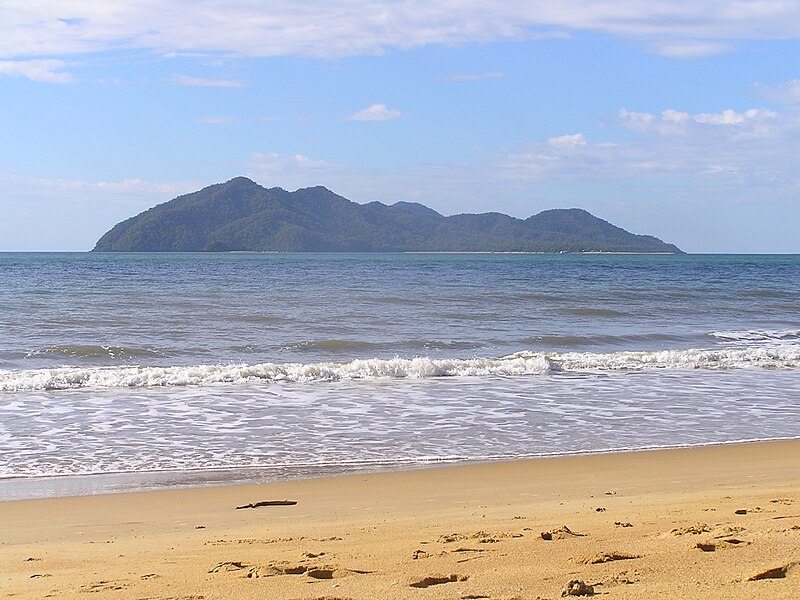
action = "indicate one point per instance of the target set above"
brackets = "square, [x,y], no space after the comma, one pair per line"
[242,215]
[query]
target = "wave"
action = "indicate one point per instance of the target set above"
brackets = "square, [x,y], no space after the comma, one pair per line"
[334,345]
[755,335]
[519,364]
[562,341]
[95,351]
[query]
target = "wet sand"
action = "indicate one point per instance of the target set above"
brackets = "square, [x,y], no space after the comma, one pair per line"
[711,522]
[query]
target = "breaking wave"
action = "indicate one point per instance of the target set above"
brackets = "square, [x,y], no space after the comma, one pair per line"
[783,356]
[754,335]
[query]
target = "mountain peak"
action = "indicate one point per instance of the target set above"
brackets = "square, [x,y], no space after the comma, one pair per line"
[241,180]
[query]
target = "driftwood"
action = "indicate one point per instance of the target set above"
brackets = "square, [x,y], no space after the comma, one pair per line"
[268,503]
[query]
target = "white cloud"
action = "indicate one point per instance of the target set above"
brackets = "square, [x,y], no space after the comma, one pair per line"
[731,117]
[744,150]
[204,82]
[738,153]
[674,122]
[44,70]
[690,49]
[566,142]
[786,93]
[680,28]
[133,186]
[274,164]
[376,112]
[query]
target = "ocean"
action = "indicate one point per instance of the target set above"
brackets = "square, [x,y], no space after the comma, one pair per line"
[127,372]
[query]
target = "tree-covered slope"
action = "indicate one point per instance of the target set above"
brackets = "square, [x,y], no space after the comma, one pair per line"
[242,215]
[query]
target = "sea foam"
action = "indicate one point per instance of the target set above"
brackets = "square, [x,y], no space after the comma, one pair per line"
[526,363]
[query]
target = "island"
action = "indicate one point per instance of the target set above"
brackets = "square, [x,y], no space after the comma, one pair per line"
[241,215]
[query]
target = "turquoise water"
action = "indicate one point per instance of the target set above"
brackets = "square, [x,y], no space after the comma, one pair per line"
[129,371]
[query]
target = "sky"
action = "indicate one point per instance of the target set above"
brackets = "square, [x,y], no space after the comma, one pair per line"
[679,119]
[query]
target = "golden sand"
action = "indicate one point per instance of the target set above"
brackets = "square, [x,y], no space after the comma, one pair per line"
[712,522]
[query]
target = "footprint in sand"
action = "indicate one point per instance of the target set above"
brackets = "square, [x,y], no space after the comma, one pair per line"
[562,533]
[104,586]
[625,578]
[257,572]
[469,553]
[275,569]
[426,582]
[481,536]
[228,566]
[606,557]
[327,598]
[720,544]
[457,537]
[696,529]
[313,571]
[775,573]
[191,597]
[724,532]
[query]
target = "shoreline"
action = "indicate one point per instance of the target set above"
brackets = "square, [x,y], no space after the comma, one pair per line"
[134,482]
[636,525]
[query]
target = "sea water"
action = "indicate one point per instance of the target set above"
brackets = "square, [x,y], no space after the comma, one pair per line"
[137,371]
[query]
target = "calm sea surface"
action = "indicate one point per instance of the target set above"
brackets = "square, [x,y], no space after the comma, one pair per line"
[136,371]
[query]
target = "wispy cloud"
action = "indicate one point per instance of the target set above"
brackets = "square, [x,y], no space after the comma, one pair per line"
[205,82]
[681,29]
[736,154]
[690,48]
[274,163]
[729,148]
[675,122]
[132,186]
[59,209]
[787,93]
[376,112]
[567,141]
[43,70]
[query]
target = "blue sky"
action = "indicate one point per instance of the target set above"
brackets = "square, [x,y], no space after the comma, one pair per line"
[679,119]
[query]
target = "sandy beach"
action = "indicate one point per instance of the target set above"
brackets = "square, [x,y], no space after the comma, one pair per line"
[709,522]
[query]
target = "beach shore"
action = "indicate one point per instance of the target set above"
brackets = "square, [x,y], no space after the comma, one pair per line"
[708,522]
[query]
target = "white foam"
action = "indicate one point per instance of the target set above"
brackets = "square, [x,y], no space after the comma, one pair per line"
[416,368]
[519,364]
[756,335]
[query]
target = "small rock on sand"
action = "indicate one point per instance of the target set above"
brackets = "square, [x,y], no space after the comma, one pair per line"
[576,587]
[561,533]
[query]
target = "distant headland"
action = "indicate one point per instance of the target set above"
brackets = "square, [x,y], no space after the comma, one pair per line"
[241,215]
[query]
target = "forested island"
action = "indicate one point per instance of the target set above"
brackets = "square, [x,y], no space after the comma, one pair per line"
[241,215]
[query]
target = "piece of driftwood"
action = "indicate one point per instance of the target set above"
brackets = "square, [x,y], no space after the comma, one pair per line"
[268,503]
